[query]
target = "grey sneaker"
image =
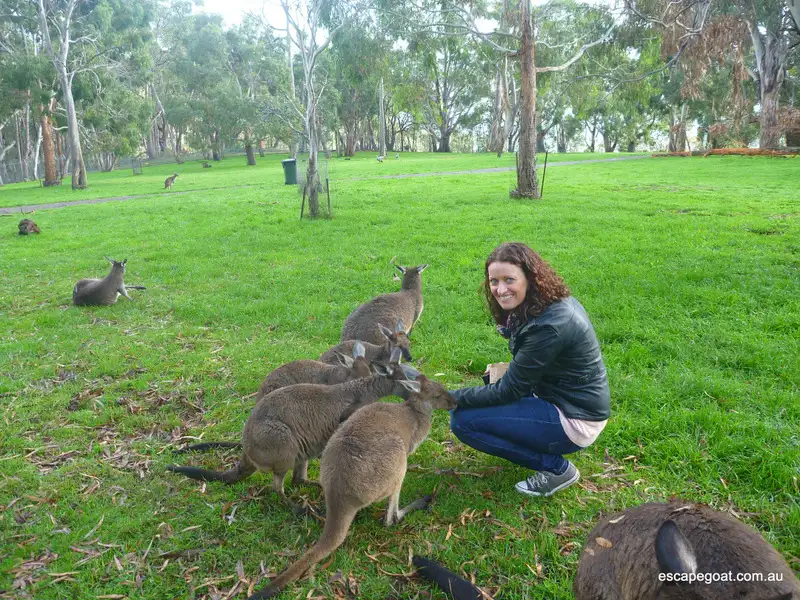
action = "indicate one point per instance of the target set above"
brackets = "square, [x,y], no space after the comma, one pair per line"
[544,483]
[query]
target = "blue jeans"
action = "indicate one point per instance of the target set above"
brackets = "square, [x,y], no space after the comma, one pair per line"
[527,432]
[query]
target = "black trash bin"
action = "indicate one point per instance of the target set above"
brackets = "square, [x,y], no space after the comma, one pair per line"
[290,171]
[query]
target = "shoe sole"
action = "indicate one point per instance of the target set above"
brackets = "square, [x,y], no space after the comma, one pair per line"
[566,484]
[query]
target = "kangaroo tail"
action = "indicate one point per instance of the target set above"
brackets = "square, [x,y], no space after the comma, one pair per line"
[457,587]
[334,533]
[135,287]
[207,446]
[242,470]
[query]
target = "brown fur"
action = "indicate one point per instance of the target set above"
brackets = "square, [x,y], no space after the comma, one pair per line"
[27,226]
[292,424]
[315,371]
[169,181]
[673,538]
[405,305]
[364,462]
[374,352]
[103,292]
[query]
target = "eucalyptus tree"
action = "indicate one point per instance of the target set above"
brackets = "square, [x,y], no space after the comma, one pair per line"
[311,26]
[86,37]
[520,42]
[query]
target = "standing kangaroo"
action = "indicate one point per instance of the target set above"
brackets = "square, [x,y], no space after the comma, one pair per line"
[374,352]
[104,291]
[365,461]
[169,181]
[292,424]
[625,554]
[405,305]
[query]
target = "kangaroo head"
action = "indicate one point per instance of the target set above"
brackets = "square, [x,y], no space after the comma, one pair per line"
[360,365]
[117,265]
[676,555]
[411,276]
[430,391]
[398,338]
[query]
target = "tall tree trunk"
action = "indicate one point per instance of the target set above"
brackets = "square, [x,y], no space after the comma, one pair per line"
[77,165]
[251,155]
[48,151]
[497,133]
[312,194]
[527,182]
[381,124]
[561,140]
[677,133]
[770,130]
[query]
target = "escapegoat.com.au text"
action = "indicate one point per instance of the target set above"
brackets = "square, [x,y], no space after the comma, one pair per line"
[727,576]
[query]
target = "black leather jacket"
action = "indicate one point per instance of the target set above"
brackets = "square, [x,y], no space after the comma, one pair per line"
[557,358]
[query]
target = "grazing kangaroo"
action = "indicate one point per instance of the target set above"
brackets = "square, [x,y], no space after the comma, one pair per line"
[375,353]
[456,587]
[315,371]
[365,461]
[625,554]
[292,425]
[27,226]
[206,165]
[169,181]
[405,305]
[104,292]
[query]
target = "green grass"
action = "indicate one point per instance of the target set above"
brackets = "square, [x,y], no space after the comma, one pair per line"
[192,177]
[688,268]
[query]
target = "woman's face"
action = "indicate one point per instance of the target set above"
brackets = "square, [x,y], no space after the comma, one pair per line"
[508,284]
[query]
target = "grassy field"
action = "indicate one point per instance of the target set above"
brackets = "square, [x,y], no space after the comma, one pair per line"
[192,177]
[689,268]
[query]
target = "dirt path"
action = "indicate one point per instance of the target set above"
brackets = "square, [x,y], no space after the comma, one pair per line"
[20,209]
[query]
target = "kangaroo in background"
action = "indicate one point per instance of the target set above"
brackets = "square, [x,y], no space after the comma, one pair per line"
[365,461]
[405,305]
[292,424]
[315,371]
[27,226]
[678,538]
[104,292]
[375,353]
[169,181]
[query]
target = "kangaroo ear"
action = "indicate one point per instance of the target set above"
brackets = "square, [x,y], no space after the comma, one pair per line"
[385,330]
[344,360]
[411,386]
[674,552]
[421,268]
[400,326]
[381,369]
[358,350]
[394,357]
[401,269]
[124,262]
[109,260]
[410,372]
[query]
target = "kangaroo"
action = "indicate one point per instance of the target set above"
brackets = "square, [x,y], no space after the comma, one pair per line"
[365,461]
[169,181]
[315,371]
[684,541]
[302,371]
[456,587]
[375,353]
[27,226]
[292,424]
[206,165]
[104,292]
[405,305]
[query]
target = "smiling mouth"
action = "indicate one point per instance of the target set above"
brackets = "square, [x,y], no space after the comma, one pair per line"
[504,298]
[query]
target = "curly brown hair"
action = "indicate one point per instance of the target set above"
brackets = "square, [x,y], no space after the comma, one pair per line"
[545,286]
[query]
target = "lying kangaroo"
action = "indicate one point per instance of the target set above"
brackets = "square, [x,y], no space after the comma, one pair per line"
[292,424]
[27,226]
[315,371]
[625,554]
[405,305]
[375,353]
[365,461]
[104,291]
[169,181]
